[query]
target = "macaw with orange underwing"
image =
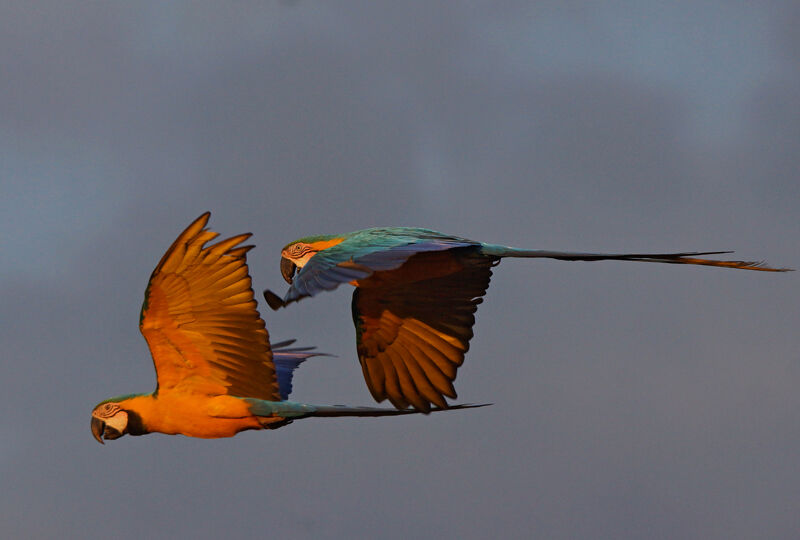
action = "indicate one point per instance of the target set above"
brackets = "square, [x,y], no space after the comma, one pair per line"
[217,374]
[416,294]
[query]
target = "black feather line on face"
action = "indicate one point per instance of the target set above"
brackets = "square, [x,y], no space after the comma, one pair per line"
[111,434]
[135,424]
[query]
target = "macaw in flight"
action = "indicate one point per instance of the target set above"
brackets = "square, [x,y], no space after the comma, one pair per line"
[217,374]
[416,294]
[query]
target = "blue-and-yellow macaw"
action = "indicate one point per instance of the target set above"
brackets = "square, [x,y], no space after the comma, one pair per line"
[217,374]
[416,294]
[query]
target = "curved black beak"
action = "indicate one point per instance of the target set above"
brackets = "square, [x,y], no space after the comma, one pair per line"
[288,268]
[98,426]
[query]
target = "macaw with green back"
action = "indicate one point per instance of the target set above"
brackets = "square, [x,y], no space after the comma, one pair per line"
[416,294]
[217,374]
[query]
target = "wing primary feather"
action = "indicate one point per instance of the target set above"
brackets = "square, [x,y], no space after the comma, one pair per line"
[200,320]
[391,383]
[442,362]
[375,377]
[195,227]
[420,379]
[435,376]
[408,391]
[220,248]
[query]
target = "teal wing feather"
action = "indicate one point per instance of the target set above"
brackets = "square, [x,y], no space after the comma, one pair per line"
[364,252]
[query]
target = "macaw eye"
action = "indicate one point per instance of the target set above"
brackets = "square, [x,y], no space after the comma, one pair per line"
[109,409]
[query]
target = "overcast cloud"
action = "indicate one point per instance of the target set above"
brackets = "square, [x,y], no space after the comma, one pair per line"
[630,400]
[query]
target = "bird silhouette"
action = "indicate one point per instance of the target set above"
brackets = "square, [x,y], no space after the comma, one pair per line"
[217,374]
[416,294]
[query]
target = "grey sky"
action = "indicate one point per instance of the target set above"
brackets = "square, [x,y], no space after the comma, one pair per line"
[630,400]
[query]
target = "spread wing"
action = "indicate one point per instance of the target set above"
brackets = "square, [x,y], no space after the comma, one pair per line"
[200,319]
[366,252]
[412,335]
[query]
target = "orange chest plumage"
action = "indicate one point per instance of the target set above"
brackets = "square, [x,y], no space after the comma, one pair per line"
[195,415]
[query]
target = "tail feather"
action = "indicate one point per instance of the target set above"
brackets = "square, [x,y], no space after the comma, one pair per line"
[343,410]
[292,410]
[689,257]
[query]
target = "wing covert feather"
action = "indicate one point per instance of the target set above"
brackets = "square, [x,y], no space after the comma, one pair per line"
[365,252]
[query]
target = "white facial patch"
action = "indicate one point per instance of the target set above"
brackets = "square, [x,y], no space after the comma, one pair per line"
[301,262]
[299,254]
[119,421]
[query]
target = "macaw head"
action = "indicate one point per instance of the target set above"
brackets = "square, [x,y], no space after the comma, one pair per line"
[110,420]
[296,254]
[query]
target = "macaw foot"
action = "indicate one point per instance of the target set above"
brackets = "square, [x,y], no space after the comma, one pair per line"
[273,300]
[271,422]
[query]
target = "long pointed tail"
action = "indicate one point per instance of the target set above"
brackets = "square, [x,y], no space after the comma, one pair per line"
[342,410]
[689,257]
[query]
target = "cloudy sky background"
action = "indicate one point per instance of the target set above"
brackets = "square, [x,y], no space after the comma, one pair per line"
[630,400]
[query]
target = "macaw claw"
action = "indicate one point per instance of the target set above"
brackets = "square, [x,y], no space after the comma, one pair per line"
[273,300]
